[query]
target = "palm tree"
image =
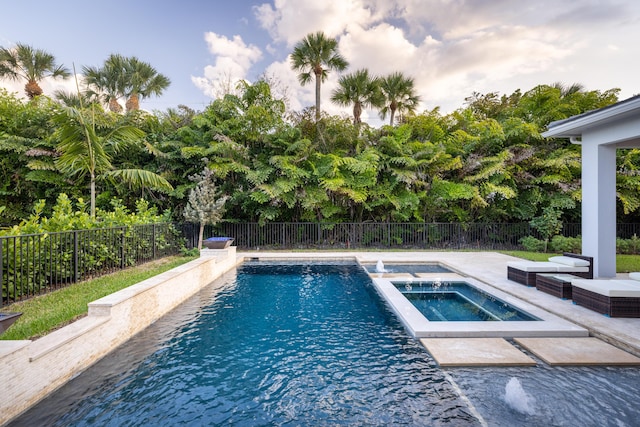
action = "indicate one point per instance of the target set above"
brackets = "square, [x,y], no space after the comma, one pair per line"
[358,89]
[124,78]
[142,81]
[33,65]
[314,56]
[400,95]
[108,82]
[87,146]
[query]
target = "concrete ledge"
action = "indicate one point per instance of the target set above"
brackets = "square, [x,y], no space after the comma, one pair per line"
[33,369]
[64,336]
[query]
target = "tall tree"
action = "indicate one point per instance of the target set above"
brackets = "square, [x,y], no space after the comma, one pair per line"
[399,93]
[359,89]
[87,143]
[315,56]
[32,65]
[108,82]
[125,78]
[143,81]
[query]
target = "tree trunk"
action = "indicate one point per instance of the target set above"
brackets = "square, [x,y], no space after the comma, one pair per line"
[32,89]
[393,113]
[357,113]
[200,235]
[114,106]
[318,80]
[93,195]
[133,103]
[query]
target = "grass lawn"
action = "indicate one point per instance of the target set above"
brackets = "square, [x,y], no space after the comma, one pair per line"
[47,312]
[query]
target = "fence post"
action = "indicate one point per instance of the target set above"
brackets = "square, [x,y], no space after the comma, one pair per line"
[122,230]
[2,273]
[75,256]
[154,241]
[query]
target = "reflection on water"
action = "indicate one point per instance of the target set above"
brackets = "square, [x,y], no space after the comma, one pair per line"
[556,396]
[304,347]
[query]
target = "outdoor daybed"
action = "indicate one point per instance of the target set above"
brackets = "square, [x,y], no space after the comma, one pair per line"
[613,298]
[525,272]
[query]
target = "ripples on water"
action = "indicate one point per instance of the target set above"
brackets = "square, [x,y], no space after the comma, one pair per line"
[314,349]
[300,348]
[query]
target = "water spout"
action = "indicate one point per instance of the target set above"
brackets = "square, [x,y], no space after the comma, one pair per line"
[380,267]
[517,398]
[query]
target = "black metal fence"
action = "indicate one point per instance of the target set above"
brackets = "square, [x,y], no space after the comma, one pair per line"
[287,235]
[36,263]
[438,236]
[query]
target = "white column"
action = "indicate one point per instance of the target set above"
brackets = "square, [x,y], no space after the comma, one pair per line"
[599,206]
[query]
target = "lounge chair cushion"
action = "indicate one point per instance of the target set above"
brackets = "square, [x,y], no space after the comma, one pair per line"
[635,275]
[534,266]
[570,261]
[609,288]
[545,267]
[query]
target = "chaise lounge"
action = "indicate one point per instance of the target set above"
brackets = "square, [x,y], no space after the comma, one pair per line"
[613,298]
[525,272]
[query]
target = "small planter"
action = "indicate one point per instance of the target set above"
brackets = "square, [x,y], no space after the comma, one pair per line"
[7,319]
[217,242]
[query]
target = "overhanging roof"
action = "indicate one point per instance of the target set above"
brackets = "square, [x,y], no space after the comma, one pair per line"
[575,126]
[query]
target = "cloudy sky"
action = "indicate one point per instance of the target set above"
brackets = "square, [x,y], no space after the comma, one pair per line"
[451,47]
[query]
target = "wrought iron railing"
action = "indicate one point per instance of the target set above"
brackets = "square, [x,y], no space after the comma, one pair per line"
[449,236]
[36,263]
[442,236]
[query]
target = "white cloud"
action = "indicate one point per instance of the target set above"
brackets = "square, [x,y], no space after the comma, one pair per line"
[233,60]
[289,21]
[453,49]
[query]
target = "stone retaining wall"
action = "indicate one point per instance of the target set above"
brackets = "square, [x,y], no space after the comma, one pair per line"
[30,370]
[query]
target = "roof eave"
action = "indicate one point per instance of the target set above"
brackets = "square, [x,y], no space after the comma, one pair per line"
[574,126]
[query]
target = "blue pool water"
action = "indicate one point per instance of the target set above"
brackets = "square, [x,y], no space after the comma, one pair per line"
[408,268]
[459,302]
[313,345]
[282,345]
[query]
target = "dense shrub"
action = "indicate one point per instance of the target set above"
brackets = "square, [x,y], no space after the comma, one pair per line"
[628,246]
[532,244]
[566,244]
[46,252]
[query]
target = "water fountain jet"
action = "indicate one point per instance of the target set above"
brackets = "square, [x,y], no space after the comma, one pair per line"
[517,398]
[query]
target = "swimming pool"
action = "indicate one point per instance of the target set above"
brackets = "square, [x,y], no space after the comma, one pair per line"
[283,344]
[315,345]
[447,301]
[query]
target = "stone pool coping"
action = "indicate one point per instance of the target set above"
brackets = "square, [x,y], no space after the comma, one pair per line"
[418,326]
[31,370]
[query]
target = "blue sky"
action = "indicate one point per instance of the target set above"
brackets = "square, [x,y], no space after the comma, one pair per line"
[451,48]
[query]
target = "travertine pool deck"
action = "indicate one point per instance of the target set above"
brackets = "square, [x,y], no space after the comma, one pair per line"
[450,352]
[490,268]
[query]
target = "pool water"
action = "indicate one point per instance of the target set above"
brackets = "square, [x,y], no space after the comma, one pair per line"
[458,302]
[408,268]
[282,345]
[314,345]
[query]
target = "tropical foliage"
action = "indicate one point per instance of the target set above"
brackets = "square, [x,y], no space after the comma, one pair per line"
[485,162]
